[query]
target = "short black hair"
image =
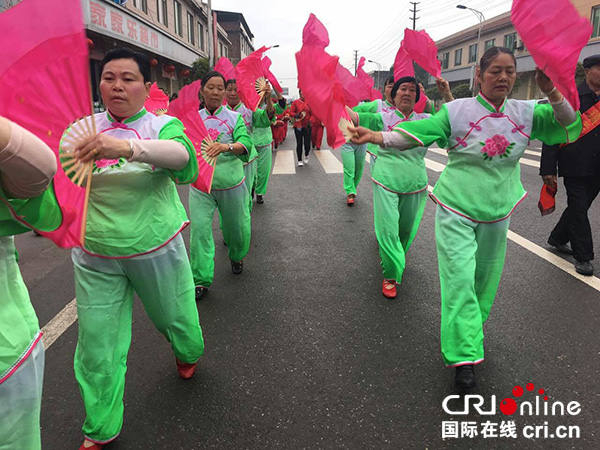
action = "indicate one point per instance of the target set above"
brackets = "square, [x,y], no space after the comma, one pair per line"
[490,54]
[406,80]
[389,80]
[212,74]
[230,82]
[141,59]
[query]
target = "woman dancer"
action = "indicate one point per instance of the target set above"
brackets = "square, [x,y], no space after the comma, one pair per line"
[300,114]
[486,136]
[133,242]
[229,192]
[27,166]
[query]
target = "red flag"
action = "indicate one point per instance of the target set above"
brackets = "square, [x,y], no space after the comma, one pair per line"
[403,64]
[247,72]
[225,68]
[157,101]
[44,79]
[266,63]
[185,108]
[368,81]
[554,34]
[422,50]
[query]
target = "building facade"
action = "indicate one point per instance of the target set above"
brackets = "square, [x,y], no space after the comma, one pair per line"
[460,52]
[238,31]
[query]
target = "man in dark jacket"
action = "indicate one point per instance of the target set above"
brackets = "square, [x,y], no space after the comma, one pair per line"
[579,165]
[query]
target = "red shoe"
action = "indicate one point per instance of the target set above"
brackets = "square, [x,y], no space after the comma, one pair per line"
[93,447]
[350,200]
[389,288]
[186,371]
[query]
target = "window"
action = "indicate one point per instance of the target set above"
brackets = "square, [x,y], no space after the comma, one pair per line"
[177,8]
[191,34]
[510,40]
[220,49]
[472,53]
[458,57]
[141,4]
[490,43]
[596,21]
[200,36]
[445,60]
[161,7]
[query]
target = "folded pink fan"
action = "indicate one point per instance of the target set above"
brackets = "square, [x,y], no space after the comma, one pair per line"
[249,77]
[422,50]
[45,87]
[157,101]
[185,108]
[225,68]
[554,34]
[367,81]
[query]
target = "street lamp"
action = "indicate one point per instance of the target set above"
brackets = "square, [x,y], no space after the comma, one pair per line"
[481,18]
[378,72]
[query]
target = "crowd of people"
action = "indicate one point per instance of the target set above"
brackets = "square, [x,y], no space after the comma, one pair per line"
[133,239]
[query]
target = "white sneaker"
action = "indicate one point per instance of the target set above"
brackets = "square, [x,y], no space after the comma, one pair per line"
[300,163]
[305,159]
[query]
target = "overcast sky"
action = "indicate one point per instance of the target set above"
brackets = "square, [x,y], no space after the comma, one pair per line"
[373,27]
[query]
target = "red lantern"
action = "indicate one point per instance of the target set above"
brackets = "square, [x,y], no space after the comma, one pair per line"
[169,68]
[185,73]
[90,43]
[154,62]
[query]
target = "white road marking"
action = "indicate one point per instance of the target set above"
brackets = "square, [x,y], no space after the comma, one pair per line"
[368,158]
[434,165]
[285,163]
[60,323]
[531,152]
[329,162]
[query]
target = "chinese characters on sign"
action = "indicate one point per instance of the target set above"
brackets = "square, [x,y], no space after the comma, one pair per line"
[455,429]
[105,17]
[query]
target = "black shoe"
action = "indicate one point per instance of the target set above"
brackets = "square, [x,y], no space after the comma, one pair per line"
[201,291]
[260,199]
[584,268]
[237,267]
[565,249]
[465,379]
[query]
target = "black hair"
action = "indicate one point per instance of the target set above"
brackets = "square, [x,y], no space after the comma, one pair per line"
[141,59]
[389,80]
[230,82]
[490,54]
[406,80]
[212,74]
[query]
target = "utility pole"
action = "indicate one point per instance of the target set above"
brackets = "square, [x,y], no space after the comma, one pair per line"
[355,61]
[415,11]
[211,44]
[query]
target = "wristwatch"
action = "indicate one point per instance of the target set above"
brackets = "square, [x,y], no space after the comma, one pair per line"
[230,147]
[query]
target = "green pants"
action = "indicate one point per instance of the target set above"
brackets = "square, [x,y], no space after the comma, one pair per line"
[353,160]
[265,162]
[396,218]
[471,258]
[104,289]
[235,223]
[20,404]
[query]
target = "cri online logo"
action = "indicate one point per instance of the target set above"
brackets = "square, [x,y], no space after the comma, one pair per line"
[509,406]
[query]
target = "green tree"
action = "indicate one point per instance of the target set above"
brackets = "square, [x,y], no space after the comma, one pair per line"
[462,91]
[200,67]
[433,93]
[579,74]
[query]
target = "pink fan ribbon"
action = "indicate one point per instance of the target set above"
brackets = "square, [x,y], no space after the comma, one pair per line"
[422,50]
[225,68]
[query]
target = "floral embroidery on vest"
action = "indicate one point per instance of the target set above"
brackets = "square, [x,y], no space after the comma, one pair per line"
[214,134]
[497,145]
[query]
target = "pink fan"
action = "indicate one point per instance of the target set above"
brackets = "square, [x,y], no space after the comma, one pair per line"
[44,74]
[367,81]
[354,88]
[403,64]
[250,80]
[185,108]
[266,63]
[422,50]
[225,68]
[157,101]
[554,34]
[315,33]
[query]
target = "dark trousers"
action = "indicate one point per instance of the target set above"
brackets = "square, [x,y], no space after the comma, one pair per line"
[574,225]
[302,138]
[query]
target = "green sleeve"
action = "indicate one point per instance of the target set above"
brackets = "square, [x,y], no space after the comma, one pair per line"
[260,119]
[278,108]
[240,134]
[372,121]
[366,107]
[42,213]
[174,131]
[425,132]
[548,130]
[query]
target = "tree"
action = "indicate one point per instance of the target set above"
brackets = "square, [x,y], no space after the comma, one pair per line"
[200,67]
[579,74]
[433,93]
[462,91]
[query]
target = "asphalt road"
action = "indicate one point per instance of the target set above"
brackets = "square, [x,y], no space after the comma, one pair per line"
[303,351]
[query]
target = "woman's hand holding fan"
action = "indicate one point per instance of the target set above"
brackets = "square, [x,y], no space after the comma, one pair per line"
[213,149]
[102,146]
